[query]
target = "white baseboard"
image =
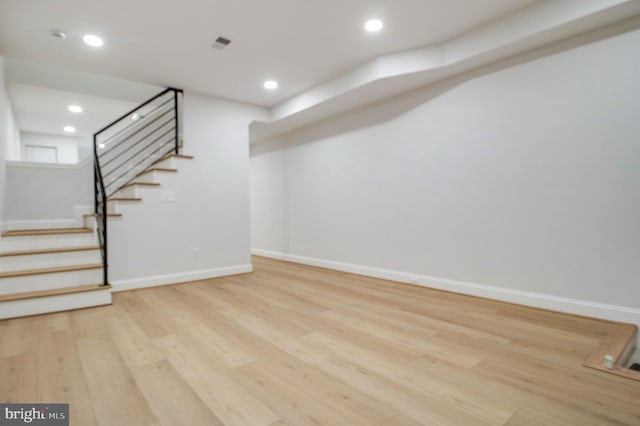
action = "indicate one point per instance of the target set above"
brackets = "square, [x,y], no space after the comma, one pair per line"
[537,300]
[181,277]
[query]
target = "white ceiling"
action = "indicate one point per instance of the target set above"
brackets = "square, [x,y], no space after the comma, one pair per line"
[542,24]
[317,49]
[300,43]
[44,110]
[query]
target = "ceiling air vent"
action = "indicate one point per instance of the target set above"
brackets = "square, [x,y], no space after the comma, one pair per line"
[221,43]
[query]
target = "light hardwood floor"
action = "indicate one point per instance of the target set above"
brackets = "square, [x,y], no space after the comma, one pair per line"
[295,345]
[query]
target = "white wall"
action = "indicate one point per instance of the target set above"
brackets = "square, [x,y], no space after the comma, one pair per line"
[9,133]
[45,192]
[154,242]
[269,206]
[66,146]
[12,147]
[4,133]
[14,142]
[520,183]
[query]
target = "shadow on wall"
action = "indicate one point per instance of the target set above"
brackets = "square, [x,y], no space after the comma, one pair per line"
[398,105]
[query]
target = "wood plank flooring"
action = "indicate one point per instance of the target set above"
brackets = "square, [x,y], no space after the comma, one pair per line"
[296,345]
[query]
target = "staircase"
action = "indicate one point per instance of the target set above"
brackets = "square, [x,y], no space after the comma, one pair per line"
[46,270]
[56,269]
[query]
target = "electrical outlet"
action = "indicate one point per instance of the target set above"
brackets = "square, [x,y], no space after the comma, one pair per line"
[196,253]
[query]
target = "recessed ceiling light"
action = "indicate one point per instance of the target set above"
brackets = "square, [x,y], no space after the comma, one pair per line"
[373,25]
[135,116]
[69,129]
[101,145]
[93,40]
[75,108]
[270,85]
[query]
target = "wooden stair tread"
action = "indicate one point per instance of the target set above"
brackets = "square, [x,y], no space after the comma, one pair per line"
[124,199]
[173,154]
[108,215]
[181,156]
[48,231]
[158,169]
[48,251]
[140,184]
[54,292]
[27,272]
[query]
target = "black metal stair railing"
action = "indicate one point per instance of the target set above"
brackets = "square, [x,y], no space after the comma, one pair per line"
[128,146]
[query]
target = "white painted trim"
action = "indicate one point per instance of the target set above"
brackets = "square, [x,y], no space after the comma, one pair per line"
[181,277]
[537,300]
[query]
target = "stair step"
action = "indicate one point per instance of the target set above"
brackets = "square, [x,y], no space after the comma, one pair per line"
[63,298]
[108,215]
[45,242]
[48,231]
[181,156]
[48,251]
[47,257]
[54,292]
[169,161]
[124,199]
[158,169]
[140,184]
[48,278]
[29,272]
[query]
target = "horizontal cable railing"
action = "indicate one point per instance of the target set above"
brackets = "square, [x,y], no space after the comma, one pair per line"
[127,147]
